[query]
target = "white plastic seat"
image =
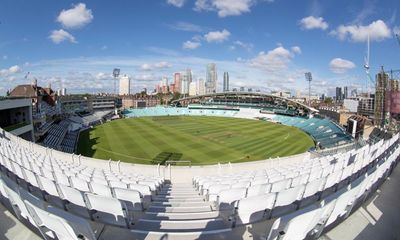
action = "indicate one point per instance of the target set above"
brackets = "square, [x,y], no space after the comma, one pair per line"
[11,190]
[297,225]
[47,173]
[132,198]
[62,179]
[107,210]
[75,202]
[260,189]
[258,181]
[79,184]
[30,178]
[214,190]
[286,200]
[59,224]
[254,209]
[227,197]
[100,180]
[299,180]
[143,189]
[244,184]
[100,189]
[47,185]
[151,184]
[276,178]
[344,201]
[280,185]
[312,190]
[331,183]
[117,184]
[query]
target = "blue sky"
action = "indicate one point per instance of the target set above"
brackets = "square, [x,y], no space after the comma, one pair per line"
[263,44]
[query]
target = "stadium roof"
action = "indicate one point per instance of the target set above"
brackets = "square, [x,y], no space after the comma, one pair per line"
[248,94]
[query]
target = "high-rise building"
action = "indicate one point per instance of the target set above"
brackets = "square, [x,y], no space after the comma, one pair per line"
[339,94]
[354,92]
[381,86]
[211,78]
[177,82]
[226,82]
[186,80]
[193,89]
[164,81]
[124,85]
[201,88]
[345,93]
[241,89]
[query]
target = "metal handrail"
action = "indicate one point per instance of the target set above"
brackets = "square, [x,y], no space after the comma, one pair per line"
[168,164]
[178,161]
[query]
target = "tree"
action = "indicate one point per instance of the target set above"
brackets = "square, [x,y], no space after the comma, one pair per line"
[328,100]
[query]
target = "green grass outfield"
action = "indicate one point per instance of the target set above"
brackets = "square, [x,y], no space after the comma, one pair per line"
[202,140]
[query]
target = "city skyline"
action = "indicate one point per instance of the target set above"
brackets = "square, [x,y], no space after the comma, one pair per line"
[265,45]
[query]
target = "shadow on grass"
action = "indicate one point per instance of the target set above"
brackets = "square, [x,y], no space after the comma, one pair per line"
[162,157]
[86,144]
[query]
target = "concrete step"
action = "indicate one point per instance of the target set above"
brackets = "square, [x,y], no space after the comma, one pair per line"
[181,225]
[192,200]
[180,204]
[181,197]
[180,216]
[178,193]
[179,209]
[225,233]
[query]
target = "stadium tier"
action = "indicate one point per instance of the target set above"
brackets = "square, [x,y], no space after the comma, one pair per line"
[66,196]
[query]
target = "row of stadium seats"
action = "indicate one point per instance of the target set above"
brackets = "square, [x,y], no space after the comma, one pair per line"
[323,131]
[63,196]
[56,134]
[69,142]
[265,194]
[169,111]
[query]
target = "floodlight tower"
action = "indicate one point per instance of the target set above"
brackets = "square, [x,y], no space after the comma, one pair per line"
[309,79]
[116,72]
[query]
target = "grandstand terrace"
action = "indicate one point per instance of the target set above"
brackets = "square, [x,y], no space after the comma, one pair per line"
[99,199]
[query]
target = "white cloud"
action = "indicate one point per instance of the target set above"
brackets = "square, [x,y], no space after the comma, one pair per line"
[274,60]
[185,26]
[10,71]
[246,46]
[296,49]
[217,36]
[191,45]
[103,76]
[339,65]
[104,47]
[58,36]
[225,7]
[377,31]
[312,22]
[158,65]
[176,3]
[5,57]
[76,17]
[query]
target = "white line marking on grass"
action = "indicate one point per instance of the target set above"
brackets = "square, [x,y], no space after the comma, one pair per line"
[287,136]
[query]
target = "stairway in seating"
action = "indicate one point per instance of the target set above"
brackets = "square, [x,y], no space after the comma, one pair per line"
[179,210]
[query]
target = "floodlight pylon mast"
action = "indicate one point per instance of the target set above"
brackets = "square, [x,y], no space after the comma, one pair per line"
[309,79]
